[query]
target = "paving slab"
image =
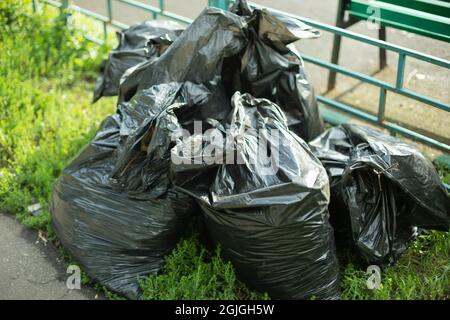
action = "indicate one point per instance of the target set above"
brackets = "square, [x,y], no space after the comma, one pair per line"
[33,269]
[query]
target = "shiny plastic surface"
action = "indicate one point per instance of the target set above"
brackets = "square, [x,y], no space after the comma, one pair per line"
[141,42]
[269,213]
[382,190]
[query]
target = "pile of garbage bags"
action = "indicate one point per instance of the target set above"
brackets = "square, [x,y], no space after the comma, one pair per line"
[382,190]
[214,122]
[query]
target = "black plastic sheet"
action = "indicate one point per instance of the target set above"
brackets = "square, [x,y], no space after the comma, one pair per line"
[228,53]
[141,42]
[114,208]
[382,190]
[269,212]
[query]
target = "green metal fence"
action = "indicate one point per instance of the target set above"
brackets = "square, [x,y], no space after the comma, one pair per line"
[384,87]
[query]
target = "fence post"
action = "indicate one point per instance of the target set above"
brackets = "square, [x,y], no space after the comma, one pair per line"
[109,10]
[400,70]
[63,9]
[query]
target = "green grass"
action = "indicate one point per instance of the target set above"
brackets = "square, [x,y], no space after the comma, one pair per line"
[45,110]
[423,272]
[191,272]
[46,116]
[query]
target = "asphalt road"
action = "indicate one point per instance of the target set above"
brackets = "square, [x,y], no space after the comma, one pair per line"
[31,268]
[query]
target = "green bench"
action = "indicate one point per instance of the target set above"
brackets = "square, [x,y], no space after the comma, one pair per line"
[430,18]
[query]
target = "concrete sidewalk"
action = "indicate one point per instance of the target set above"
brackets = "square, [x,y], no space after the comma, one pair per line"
[31,269]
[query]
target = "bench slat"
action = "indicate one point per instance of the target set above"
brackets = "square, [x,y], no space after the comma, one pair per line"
[439,8]
[433,26]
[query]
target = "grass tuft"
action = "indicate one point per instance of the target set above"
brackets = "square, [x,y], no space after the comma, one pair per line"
[191,272]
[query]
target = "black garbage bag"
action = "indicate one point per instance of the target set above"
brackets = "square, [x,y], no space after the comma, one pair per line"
[230,53]
[114,208]
[270,67]
[141,42]
[268,211]
[382,190]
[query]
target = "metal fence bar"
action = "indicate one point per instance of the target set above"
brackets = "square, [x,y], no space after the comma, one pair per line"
[385,124]
[109,9]
[381,105]
[53,3]
[379,83]
[63,10]
[343,32]
[155,10]
[384,86]
[64,5]
[110,18]
[347,109]
[86,12]
[355,36]
[222,4]
[400,70]
[398,88]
